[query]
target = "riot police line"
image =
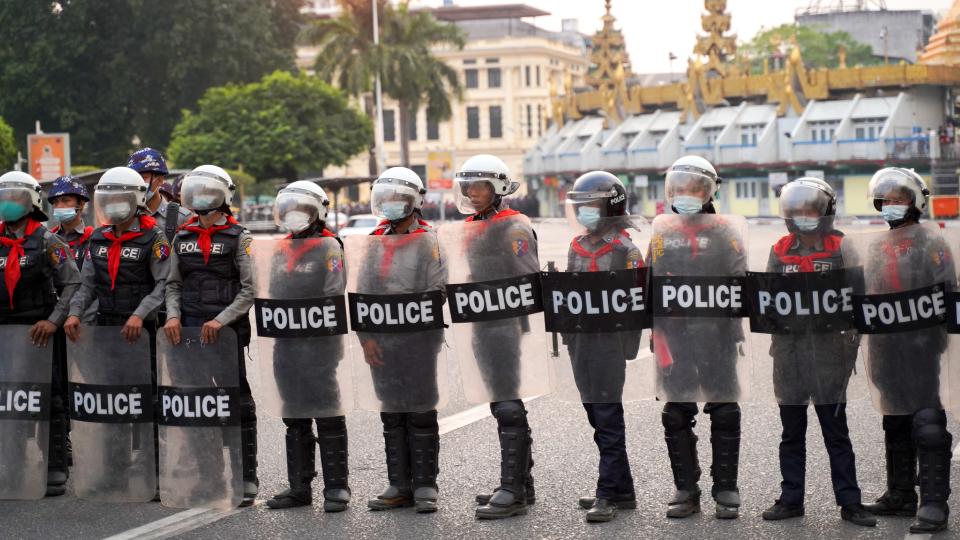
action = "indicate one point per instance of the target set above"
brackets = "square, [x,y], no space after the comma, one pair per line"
[176,421]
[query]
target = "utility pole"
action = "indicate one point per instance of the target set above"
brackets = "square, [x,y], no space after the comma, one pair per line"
[672,57]
[381,166]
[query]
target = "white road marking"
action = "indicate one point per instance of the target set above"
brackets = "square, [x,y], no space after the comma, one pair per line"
[195,518]
[956,453]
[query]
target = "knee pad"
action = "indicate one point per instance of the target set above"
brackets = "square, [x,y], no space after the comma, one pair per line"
[673,418]
[392,420]
[248,409]
[333,423]
[422,420]
[725,417]
[510,413]
[930,429]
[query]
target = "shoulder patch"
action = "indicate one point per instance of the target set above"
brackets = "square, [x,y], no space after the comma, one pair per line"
[162,248]
[519,243]
[334,261]
[58,252]
[941,255]
[436,254]
[634,261]
[245,245]
[737,246]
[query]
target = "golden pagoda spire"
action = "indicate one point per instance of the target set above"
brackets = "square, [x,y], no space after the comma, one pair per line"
[608,54]
[715,46]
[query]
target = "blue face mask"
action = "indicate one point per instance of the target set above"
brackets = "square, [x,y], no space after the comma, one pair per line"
[394,210]
[11,211]
[894,212]
[685,204]
[806,225]
[589,217]
[64,215]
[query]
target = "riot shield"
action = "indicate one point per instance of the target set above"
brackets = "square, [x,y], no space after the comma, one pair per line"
[25,374]
[595,318]
[952,237]
[698,265]
[901,314]
[301,317]
[395,293]
[110,397]
[805,348]
[199,414]
[496,309]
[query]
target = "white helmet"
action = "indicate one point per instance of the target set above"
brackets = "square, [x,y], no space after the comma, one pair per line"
[19,196]
[895,180]
[300,204]
[691,173]
[207,188]
[118,194]
[483,168]
[396,194]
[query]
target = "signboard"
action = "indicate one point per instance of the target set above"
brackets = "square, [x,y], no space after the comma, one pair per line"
[641,180]
[440,171]
[778,180]
[814,174]
[49,155]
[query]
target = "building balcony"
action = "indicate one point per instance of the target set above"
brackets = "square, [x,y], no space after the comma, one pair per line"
[817,151]
[738,153]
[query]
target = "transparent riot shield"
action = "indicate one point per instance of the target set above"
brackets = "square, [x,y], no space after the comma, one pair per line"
[395,293]
[595,317]
[901,313]
[951,236]
[110,397]
[301,319]
[25,375]
[496,309]
[804,345]
[698,265]
[199,414]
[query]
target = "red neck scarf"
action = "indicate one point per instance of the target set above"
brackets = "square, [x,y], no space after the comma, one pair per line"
[205,234]
[79,241]
[390,247]
[580,250]
[12,273]
[484,223]
[113,252]
[831,244]
[294,255]
[691,233]
[892,275]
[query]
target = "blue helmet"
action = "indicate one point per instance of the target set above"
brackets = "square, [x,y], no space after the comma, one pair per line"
[147,160]
[68,185]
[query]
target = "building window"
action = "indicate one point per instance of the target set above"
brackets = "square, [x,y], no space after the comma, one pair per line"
[389,133]
[746,190]
[493,77]
[470,62]
[493,60]
[496,129]
[527,72]
[712,135]
[860,133]
[529,120]
[654,192]
[869,128]
[473,81]
[538,75]
[421,171]
[749,133]
[539,120]
[412,122]
[473,122]
[433,131]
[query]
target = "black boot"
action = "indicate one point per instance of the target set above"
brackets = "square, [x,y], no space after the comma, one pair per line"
[725,440]
[398,493]
[57,471]
[248,441]
[900,498]
[301,469]
[933,443]
[682,448]
[425,465]
[333,460]
[511,498]
[484,498]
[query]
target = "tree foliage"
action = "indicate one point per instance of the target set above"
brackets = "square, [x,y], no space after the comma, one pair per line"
[279,127]
[818,47]
[8,150]
[105,70]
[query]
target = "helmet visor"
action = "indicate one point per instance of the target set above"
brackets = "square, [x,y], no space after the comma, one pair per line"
[893,187]
[203,193]
[803,200]
[393,200]
[15,201]
[689,184]
[586,215]
[473,194]
[115,206]
[296,206]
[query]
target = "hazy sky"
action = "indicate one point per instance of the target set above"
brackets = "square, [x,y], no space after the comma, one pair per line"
[654,28]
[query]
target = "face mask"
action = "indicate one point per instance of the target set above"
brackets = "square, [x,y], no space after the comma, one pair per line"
[11,211]
[806,224]
[64,215]
[118,212]
[588,217]
[150,195]
[296,221]
[685,204]
[393,210]
[894,212]
[204,201]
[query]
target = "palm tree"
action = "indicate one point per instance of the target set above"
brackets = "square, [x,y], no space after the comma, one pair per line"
[409,71]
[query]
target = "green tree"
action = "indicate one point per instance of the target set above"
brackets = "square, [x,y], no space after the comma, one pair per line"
[8,150]
[105,70]
[279,127]
[409,71]
[818,47]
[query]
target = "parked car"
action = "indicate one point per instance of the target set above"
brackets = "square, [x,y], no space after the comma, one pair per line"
[359,224]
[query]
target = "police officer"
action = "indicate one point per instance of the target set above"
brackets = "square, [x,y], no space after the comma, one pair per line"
[302,208]
[911,384]
[598,203]
[33,258]
[809,207]
[211,286]
[152,168]
[127,265]
[690,185]
[399,363]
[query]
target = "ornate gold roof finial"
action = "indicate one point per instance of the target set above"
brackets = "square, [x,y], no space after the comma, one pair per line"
[715,46]
[842,56]
[609,52]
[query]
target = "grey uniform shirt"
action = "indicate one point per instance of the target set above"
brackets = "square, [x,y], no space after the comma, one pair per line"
[160,215]
[74,234]
[150,305]
[59,262]
[624,256]
[241,304]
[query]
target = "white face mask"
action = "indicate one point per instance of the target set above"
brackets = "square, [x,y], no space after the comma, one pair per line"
[394,210]
[296,221]
[118,211]
[894,212]
[806,224]
[685,204]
